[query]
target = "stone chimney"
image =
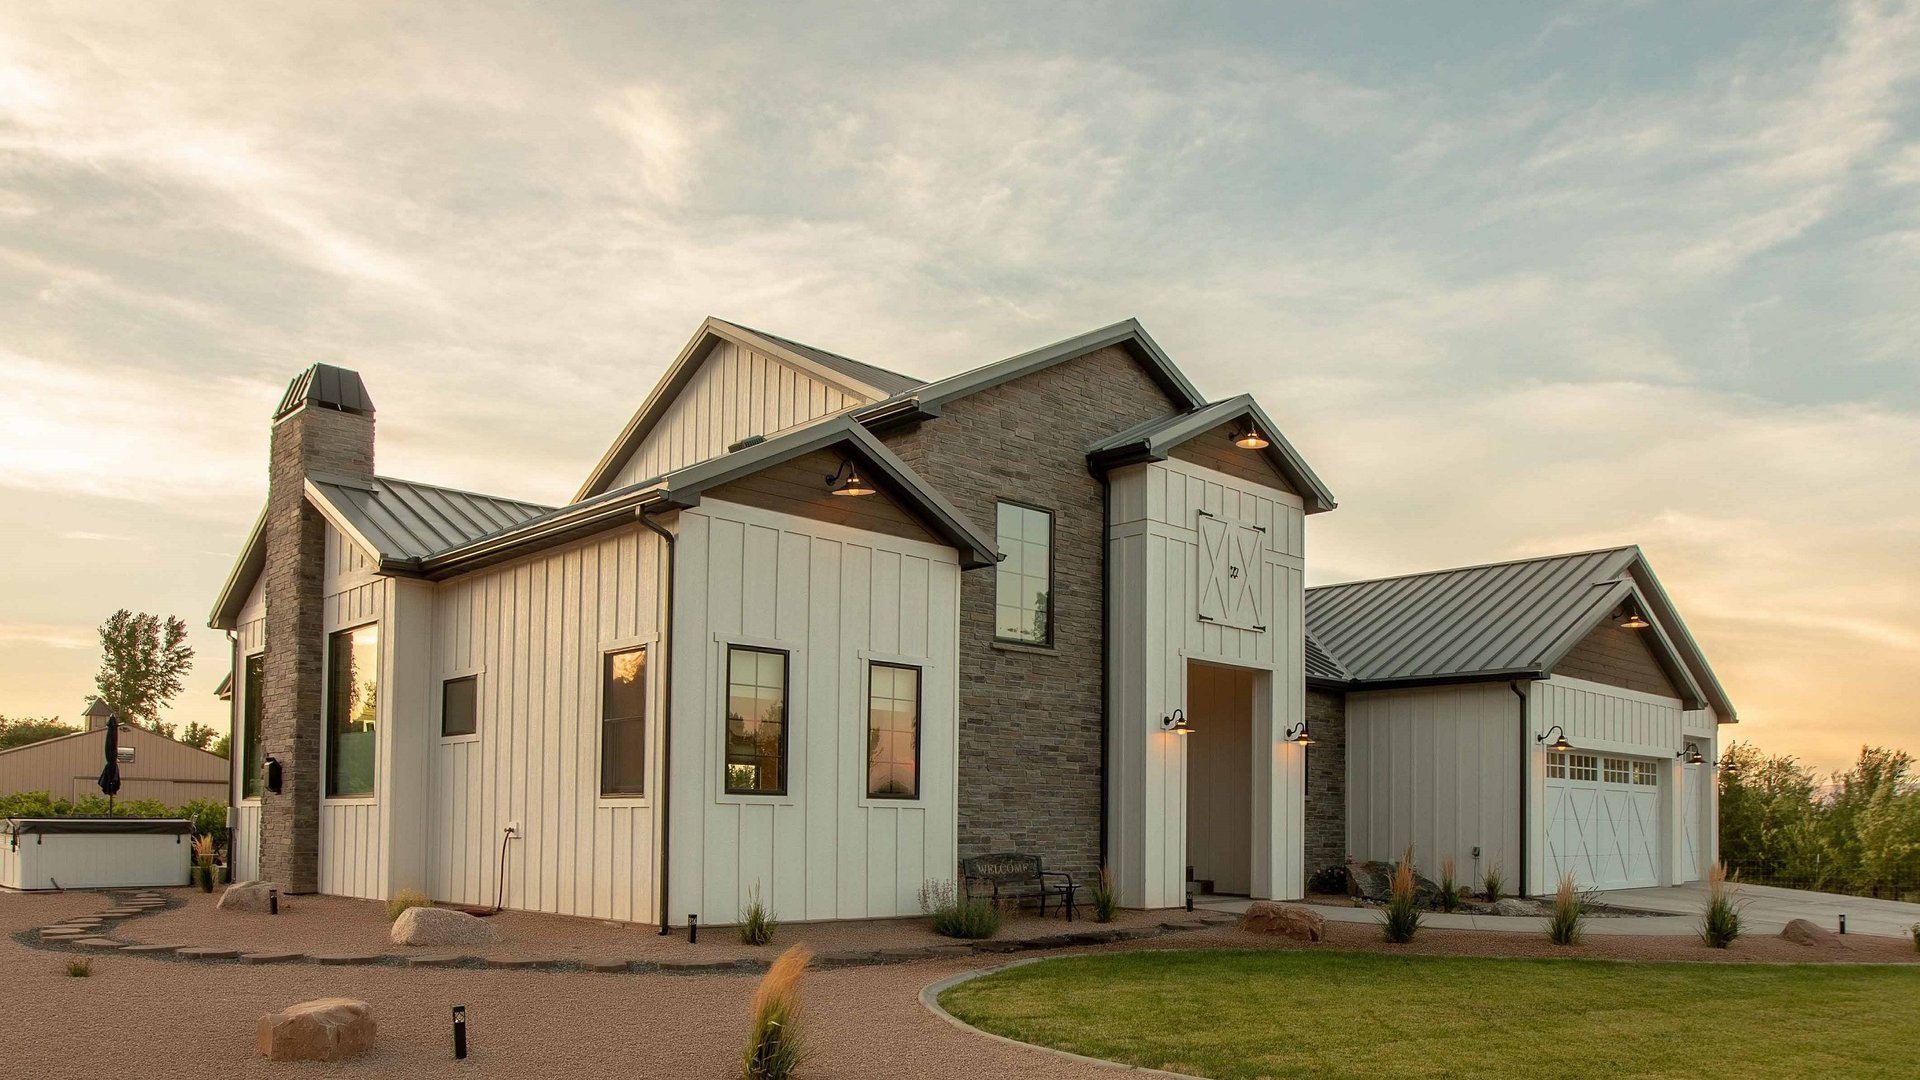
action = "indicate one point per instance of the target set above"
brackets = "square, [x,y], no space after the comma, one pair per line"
[324,425]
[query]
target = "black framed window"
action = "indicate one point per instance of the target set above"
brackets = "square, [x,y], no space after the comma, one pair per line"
[460,706]
[253,706]
[756,721]
[353,709]
[893,731]
[623,723]
[1023,586]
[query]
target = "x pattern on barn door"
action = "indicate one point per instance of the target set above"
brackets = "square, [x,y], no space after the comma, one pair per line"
[1606,833]
[1230,569]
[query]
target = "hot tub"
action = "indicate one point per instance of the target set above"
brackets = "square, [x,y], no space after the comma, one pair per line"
[94,852]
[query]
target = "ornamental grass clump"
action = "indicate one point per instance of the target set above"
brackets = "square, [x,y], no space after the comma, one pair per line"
[203,861]
[1449,889]
[1493,884]
[1403,907]
[1720,923]
[757,924]
[1568,913]
[957,915]
[404,899]
[1106,899]
[1916,936]
[776,1044]
[80,969]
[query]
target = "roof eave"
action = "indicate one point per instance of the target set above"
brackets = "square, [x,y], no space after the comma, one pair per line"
[233,594]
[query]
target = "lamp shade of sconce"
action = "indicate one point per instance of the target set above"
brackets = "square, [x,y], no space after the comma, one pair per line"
[1249,438]
[1299,735]
[849,482]
[1559,745]
[1177,723]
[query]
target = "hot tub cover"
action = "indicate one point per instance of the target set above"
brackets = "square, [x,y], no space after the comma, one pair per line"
[119,826]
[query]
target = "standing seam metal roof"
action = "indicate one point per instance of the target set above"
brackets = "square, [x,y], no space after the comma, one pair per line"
[405,520]
[887,382]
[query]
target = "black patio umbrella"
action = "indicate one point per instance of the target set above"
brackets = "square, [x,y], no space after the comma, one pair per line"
[110,776]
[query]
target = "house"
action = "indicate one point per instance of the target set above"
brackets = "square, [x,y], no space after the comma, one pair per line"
[152,766]
[809,627]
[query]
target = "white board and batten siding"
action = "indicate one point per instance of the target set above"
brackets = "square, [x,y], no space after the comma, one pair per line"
[736,392]
[836,600]
[1177,534]
[534,632]
[1437,768]
[249,638]
[352,830]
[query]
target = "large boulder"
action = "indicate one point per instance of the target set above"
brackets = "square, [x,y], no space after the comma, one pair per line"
[1286,920]
[326,1029]
[1373,880]
[1802,932]
[441,926]
[252,896]
[1514,907]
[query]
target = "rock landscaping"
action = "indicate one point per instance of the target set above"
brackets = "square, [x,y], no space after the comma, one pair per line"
[1285,920]
[250,896]
[441,926]
[1812,935]
[326,1029]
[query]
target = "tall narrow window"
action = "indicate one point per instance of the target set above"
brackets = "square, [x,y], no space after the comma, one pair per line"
[756,721]
[460,706]
[623,723]
[893,731]
[253,705]
[1023,600]
[353,709]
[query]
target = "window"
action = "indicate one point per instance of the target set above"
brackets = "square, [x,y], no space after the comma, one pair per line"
[756,721]
[623,723]
[1557,766]
[460,706]
[353,709]
[1646,773]
[1583,767]
[893,731]
[253,706]
[1617,770]
[1023,595]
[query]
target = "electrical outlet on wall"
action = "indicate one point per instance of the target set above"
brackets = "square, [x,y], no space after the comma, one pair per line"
[514,827]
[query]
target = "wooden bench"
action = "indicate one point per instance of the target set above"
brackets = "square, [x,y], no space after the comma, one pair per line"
[1015,877]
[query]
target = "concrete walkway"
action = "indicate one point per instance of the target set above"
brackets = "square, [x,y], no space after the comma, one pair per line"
[1766,909]
[1625,926]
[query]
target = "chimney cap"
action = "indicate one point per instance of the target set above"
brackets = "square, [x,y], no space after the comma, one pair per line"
[328,387]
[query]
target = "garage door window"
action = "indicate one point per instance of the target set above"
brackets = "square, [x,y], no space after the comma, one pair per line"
[1573,767]
[1617,770]
[1645,773]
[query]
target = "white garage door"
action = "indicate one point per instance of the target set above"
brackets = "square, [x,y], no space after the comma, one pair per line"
[1603,820]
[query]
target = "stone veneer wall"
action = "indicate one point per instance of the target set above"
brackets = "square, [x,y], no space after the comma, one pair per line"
[1326,842]
[310,439]
[1030,739]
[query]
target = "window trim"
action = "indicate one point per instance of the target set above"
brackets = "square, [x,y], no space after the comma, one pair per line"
[919,729]
[441,709]
[259,761]
[326,718]
[601,795]
[785,791]
[1053,562]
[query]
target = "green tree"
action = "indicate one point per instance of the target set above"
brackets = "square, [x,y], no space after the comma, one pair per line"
[1768,816]
[29,730]
[198,735]
[143,665]
[222,746]
[1871,827]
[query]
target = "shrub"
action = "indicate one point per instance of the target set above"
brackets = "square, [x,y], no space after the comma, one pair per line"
[1106,899]
[776,1045]
[1569,912]
[1403,908]
[957,915]
[1916,936]
[404,899]
[1720,923]
[1328,879]
[80,969]
[1449,889]
[1493,883]
[203,876]
[757,924]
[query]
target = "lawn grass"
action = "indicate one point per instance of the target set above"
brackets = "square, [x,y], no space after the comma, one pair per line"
[1250,1015]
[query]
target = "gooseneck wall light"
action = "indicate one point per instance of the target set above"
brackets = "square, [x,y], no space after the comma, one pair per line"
[1177,723]
[1299,735]
[1559,745]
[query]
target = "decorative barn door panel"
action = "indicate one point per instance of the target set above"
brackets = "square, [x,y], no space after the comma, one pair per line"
[1229,590]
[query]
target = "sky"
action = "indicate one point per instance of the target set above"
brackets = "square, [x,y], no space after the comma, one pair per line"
[1516,279]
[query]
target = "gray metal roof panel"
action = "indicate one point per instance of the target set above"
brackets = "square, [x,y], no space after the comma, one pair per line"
[1155,437]
[1322,665]
[329,386]
[404,520]
[888,382]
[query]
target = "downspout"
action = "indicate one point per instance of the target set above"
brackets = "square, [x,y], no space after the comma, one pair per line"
[666,716]
[1526,793]
[1106,685]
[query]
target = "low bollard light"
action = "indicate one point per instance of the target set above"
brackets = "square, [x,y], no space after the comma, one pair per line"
[693,929]
[273,901]
[459,1033]
[1843,924]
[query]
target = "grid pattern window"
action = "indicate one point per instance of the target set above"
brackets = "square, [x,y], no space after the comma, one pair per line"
[756,721]
[1023,586]
[893,731]
[623,723]
[1557,766]
[460,706]
[353,710]
[1617,772]
[1583,767]
[253,707]
[1646,773]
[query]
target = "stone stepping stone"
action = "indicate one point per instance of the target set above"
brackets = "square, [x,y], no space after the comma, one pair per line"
[272,957]
[83,920]
[150,950]
[339,959]
[518,962]
[202,952]
[97,943]
[436,961]
[683,967]
[606,966]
